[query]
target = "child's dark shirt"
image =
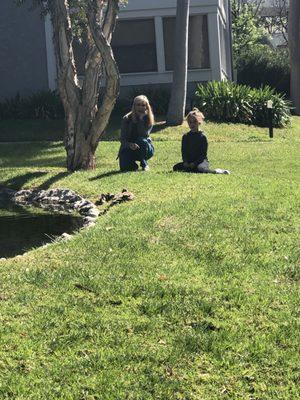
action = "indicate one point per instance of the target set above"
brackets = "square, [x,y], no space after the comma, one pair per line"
[194,147]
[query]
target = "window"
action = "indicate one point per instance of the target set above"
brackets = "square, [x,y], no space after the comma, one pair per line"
[198,42]
[134,46]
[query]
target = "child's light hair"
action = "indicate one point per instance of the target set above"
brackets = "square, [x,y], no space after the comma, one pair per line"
[150,115]
[195,114]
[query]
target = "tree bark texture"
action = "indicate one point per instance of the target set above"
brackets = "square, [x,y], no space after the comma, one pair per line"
[294,46]
[177,103]
[85,121]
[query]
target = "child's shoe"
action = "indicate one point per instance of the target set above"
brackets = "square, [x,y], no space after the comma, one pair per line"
[222,171]
[144,165]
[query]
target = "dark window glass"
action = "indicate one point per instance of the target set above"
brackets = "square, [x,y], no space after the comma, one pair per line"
[198,57]
[134,46]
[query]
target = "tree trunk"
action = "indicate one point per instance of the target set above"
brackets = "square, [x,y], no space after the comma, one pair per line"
[85,122]
[177,103]
[80,152]
[294,40]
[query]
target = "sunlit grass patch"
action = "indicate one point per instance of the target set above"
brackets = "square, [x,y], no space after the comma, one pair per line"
[191,291]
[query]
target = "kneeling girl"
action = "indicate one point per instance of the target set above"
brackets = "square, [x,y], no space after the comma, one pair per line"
[136,144]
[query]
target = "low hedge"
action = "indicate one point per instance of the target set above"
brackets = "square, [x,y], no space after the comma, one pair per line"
[41,105]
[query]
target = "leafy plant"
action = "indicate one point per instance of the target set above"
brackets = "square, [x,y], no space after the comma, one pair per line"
[228,102]
[41,105]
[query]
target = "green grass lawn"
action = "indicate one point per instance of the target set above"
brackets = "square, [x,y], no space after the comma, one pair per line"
[191,291]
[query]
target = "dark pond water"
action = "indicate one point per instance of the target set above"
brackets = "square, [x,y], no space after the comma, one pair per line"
[22,229]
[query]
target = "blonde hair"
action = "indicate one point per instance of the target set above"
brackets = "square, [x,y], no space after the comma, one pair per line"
[195,114]
[149,114]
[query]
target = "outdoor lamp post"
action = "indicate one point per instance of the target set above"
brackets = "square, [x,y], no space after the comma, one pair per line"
[270,117]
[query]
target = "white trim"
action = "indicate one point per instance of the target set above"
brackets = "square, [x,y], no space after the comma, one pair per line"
[223,12]
[148,78]
[160,48]
[225,76]
[164,12]
[214,46]
[164,4]
[50,53]
[152,78]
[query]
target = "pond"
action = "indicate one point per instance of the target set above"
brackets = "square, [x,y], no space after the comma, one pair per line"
[22,229]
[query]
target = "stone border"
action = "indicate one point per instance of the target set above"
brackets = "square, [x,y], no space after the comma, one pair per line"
[56,200]
[64,201]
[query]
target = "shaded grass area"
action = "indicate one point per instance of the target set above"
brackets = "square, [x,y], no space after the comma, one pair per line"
[44,130]
[31,130]
[53,130]
[191,291]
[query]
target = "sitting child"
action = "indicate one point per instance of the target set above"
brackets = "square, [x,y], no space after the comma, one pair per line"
[194,148]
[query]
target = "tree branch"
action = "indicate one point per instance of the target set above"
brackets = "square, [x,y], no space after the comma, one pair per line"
[67,76]
[110,19]
[63,39]
[90,92]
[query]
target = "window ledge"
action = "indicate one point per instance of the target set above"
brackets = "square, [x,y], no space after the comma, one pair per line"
[162,72]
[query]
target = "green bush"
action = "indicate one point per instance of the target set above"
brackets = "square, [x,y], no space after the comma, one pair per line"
[228,102]
[264,66]
[281,107]
[159,98]
[41,105]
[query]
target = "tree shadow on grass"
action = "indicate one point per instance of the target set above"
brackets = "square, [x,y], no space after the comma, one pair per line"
[46,185]
[105,175]
[19,181]
[39,154]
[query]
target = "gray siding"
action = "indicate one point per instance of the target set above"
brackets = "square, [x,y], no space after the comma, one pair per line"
[23,59]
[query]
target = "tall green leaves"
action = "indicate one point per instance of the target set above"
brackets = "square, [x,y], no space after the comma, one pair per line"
[246,30]
[228,102]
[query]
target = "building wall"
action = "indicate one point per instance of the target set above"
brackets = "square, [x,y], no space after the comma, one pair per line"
[28,60]
[23,66]
[158,11]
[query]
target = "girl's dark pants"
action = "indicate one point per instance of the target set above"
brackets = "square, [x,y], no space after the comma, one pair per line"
[128,157]
[181,167]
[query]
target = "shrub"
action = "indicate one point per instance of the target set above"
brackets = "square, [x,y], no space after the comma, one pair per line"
[264,66]
[11,108]
[281,107]
[41,105]
[159,98]
[228,102]
[47,104]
